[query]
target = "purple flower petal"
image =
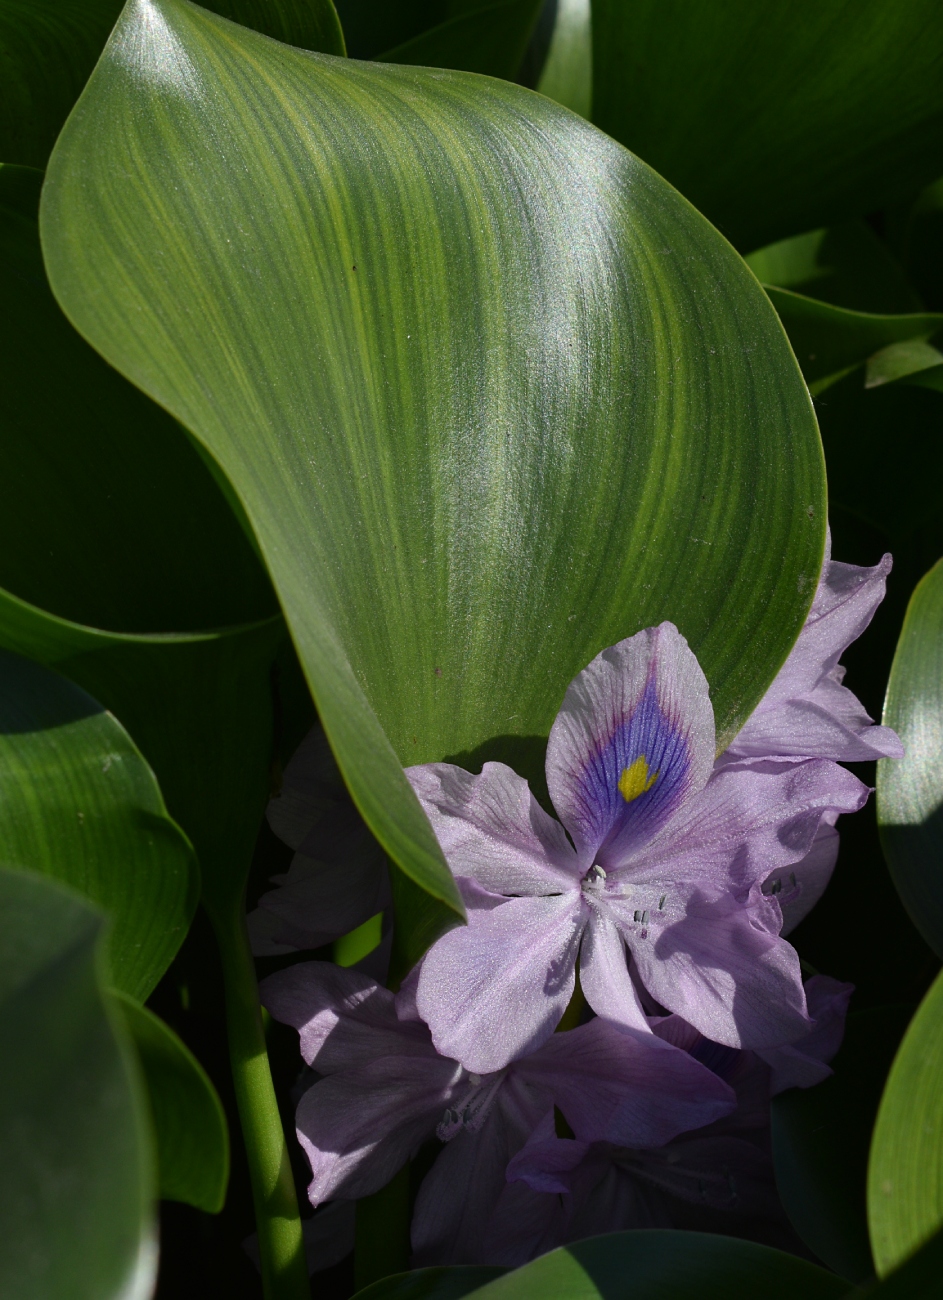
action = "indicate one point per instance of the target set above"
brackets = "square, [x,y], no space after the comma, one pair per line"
[625,1086]
[359,1127]
[634,738]
[311,786]
[459,1194]
[496,988]
[805,1062]
[721,969]
[604,974]
[798,887]
[807,712]
[491,828]
[343,1017]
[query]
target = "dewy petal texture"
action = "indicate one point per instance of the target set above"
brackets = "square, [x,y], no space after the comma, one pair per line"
[495,989]
[807,712]
[634,738]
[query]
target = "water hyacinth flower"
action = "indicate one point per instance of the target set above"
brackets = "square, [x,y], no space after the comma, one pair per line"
[386,1091]
[719,1178]
[338,876]
[807,712]
[655,852]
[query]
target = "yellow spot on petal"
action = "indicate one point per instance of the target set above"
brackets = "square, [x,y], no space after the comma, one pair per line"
[635,780]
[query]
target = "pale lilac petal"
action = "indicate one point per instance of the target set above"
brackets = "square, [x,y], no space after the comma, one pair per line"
[490,827]
[721,969]
[806,711]
[604,974]
[523,1225]
[752,817]
[638,715]
[804,1063]
[496,988]
[625,1086]
[459,1194]
[797,888]
[359,1127]
[344,1018]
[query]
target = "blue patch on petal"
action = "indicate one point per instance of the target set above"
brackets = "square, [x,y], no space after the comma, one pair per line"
[636,778]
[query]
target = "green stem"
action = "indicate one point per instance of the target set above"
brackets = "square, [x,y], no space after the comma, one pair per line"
[281,1249]
[382,1233]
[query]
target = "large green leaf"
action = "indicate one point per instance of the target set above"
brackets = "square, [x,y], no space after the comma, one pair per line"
[492,395]
[130,534]
[49,47]
[430,1284]
[489,36]
[775,118]
[75,1178]
[905,1173]
[918,1278]
[665,1265]
[821,1137]
[828,340]
[910,790]
[846,265]
[78,802]
[189,1123]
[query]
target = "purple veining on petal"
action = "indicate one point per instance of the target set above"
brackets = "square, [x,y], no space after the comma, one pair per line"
[638,776]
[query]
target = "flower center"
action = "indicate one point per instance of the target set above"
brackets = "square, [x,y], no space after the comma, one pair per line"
[474,1106]
[595,879]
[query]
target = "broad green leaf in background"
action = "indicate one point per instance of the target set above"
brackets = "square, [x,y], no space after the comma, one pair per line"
[846,265]
[885,456]
[665,1265]
[478,439]
[76,1175]
[49,47]
[568,73]
[905,1172]
[910,790]
[192,1140]
[906,360]
[431,1283]
[78,802]
[372,26]
[828,341]
[922,245]
[110,519]
[821,1137]
[488,36]
[778,118]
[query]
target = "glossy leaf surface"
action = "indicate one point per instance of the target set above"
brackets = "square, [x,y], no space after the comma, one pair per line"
[665,1265]
[79,803]
[75,1179]
[430,1284]
[910,791]
[778,118]
[829,340]
[905,1173]
[466,431]
[192,1140]
[49,47]
[821,1137]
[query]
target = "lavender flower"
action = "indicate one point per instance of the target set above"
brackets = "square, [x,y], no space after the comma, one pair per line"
[386,1091]
[562,1189]
[665,857]
[337,878]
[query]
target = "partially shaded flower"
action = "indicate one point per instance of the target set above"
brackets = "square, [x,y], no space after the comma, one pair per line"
[337,878]
[719,1178]
[386,1091]
[807,712]
[662,857]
